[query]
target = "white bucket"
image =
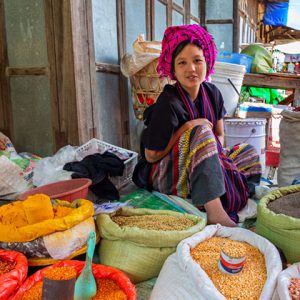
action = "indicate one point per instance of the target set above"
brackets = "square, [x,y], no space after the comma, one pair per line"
[249,131]
[223,72]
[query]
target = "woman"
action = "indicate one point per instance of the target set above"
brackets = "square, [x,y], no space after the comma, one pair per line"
[182,143]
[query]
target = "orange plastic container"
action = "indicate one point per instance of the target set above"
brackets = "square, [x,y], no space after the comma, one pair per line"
[68,190]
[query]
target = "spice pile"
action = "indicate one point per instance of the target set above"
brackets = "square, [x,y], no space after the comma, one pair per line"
[246,285]
[107,289]
[6,266]
[294,288]
[61,211]
[154,222]
[288,205]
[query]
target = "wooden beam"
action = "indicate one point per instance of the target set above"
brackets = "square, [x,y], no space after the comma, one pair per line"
[108,68]
[95,130]
[6,121]
[169,13]
[277,81]
[149,4]
[187,12]
[236,27]
[178,8]
[34,71]
[82,70]
[123,86]
[59,137]
[203,12]
[225,21]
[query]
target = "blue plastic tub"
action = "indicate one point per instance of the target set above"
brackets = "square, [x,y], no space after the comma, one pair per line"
[236,58]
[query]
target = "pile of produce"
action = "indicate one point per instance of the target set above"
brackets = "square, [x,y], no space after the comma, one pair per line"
[248,284]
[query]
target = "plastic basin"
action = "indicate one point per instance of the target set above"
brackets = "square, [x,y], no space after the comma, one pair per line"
[68,190]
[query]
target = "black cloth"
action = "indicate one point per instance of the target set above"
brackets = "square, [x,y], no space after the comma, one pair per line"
[207,181]
[169,113]
[98,167]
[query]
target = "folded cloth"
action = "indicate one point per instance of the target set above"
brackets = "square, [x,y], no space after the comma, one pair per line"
[98,167]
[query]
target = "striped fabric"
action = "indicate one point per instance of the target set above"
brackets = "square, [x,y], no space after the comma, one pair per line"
[172,174]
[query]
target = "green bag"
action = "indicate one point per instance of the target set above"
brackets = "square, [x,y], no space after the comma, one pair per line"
[140,253]
[262,58]
[283,231]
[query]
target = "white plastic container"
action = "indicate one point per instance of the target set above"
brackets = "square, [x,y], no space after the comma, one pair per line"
[224,73]
[249,131]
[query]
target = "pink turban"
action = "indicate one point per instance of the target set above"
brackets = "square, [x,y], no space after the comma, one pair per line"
[175,35]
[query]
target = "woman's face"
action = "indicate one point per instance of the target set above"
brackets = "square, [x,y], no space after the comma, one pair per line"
[190,67]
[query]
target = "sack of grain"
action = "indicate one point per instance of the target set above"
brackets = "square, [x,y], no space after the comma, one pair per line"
[280,224]
[289,147]
[288,283]
[141,252]
[43,228]
[182,277]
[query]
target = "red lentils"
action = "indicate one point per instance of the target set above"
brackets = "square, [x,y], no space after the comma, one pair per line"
[6,266]
[35,293]
[294,288]
[248,284]
[107,289]
[59,273]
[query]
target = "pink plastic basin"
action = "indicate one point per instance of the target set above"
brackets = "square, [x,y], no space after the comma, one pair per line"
[68,190]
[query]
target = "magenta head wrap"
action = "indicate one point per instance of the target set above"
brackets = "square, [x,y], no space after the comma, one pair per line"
[175,35]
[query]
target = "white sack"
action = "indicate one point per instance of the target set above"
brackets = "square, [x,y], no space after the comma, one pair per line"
[283,281]
[181,278]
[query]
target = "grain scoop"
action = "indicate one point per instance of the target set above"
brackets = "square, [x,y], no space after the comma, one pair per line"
[85,286]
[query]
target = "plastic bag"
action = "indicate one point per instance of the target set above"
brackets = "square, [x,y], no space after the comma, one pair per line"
[50,169]
[99,271]
[283,281]
[11,281]
[182,278]
[12,181]
[16,170]
[262,58]
[144,53]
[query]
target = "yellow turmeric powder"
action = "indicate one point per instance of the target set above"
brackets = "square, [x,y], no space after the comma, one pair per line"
[23,221]
[61,211]
[13,214]
[38,208]
[34,209]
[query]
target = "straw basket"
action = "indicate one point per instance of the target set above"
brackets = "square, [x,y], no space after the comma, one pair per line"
[146,87]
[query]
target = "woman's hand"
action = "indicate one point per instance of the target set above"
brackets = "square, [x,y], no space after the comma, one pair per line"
[197,122]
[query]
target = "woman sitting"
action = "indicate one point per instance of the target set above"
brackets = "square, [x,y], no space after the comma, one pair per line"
[181,146]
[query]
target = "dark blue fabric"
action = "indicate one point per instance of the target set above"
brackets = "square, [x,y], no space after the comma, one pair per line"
[276,13]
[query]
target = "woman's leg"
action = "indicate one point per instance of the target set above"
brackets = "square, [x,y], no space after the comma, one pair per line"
[216,213]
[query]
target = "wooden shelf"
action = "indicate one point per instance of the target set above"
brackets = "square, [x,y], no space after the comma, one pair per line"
[277,81]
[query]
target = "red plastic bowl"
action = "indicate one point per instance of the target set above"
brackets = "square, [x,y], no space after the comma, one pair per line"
[68,190]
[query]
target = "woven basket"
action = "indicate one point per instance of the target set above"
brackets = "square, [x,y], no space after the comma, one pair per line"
[146,87]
